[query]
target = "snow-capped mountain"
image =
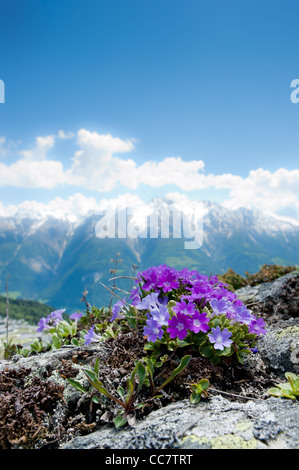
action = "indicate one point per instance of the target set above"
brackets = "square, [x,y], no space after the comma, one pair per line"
[55,258]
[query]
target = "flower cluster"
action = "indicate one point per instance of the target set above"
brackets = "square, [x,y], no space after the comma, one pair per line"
[188,307]
[51,320]
[61,330]
[180,302]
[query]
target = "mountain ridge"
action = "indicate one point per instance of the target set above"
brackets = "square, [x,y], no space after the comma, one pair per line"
[54,259]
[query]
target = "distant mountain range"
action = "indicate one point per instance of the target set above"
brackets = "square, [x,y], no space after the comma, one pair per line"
[53,260]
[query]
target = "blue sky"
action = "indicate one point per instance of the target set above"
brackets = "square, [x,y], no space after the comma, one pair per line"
[149,95]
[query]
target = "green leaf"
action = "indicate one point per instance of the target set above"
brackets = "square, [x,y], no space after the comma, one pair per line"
[130,386]
[56,341]
[275,392]
[139,405]
[141,372]
[95,399]
[73,328]
[172,345]
[195,397]
[215,359]
[199,338]
[99,386]
[121,392]
[119,420]
[206,349]
[77,385]
[224,352]
[97,368]
[183,364]
[149,346]
[292,380]
[150,367]
[75,342]
[182,343]
[64,328]
[288,394]
[204,383]
[285,386]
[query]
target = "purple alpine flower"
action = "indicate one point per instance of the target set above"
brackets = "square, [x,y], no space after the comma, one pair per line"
[179,325]
[168,282]
[149,302]
[55,317]
[220,306]
[200,323]
[153,330]
[257,327]
[184,308]
[219,338]
[51,320]
[242,314]
[150,280]
[76,316]
[43,325]
[254,350]
[117,310]
[160,314]
[199,290]
[91,337]
[134,296]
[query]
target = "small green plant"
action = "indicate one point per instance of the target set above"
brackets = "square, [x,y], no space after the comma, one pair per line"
[267,273]
[62,332]
[150,367]
[233,280]
[37,346]
[289,389]
[199,390]
[126,398]
[9,348]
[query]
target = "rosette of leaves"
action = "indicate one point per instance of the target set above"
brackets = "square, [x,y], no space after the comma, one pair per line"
[63,333]
[289,389]
[199,390]
[242,340]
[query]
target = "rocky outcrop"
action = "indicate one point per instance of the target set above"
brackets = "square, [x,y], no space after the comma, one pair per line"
[40,408]
[278,303]
[215,424]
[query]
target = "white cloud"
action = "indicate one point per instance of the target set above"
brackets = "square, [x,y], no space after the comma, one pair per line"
[99,169]
[41,148]
[7,147]
[77,205]
[32,174]
[266,191]
[94,165]
[98,165]
[65,135]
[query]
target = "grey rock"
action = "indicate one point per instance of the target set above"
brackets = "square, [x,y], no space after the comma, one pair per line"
[279,348]
[266,291]
[214,424]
